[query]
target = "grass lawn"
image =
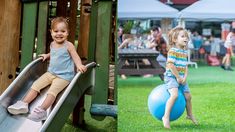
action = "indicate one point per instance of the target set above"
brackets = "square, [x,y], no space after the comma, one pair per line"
[213,99]
[109,124]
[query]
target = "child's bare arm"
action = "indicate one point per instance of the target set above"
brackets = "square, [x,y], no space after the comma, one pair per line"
[174,71]
[76,58]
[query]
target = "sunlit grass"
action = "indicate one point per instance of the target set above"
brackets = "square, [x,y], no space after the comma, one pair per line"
[213,103]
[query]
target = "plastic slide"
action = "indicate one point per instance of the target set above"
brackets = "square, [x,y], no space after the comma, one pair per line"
[57,114]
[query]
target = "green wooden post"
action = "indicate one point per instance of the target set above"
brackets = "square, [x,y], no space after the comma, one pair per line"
[103,33]
[93,30]
[28,33]
[42,27]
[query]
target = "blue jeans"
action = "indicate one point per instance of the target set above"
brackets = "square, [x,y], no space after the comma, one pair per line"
[172,83]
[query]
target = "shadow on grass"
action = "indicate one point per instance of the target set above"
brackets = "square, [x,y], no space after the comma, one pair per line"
[109,124]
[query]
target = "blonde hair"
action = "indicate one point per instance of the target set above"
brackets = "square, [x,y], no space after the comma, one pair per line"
[57,20]
[173,34]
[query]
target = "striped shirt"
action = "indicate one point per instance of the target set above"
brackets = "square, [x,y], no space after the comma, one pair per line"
[178,57]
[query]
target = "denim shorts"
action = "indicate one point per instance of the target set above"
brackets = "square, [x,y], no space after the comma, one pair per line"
[172,83]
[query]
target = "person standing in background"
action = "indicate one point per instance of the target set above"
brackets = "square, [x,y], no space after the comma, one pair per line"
[229,42]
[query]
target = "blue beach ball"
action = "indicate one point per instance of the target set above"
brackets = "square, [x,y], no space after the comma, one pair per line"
[157,102]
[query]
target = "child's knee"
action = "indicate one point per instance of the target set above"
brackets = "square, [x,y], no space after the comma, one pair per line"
[174,95]
[188,97]
[52,93]
[35,90]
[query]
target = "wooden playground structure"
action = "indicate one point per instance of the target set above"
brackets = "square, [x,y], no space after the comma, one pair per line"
[25,25]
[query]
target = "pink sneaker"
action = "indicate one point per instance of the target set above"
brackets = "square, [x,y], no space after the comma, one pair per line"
[38,114]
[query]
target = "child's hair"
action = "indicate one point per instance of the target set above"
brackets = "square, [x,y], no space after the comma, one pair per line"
[57,20]
[173,34]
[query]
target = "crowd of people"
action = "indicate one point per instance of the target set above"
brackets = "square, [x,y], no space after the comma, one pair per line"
[199,45]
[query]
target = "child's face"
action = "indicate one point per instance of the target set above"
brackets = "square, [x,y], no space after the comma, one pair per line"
[182,39]
[59,33]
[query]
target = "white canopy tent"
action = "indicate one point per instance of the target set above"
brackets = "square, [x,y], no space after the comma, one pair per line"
[145,9]
[209,10]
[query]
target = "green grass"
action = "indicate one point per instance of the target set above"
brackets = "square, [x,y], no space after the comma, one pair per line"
[109,124]
[212,96]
